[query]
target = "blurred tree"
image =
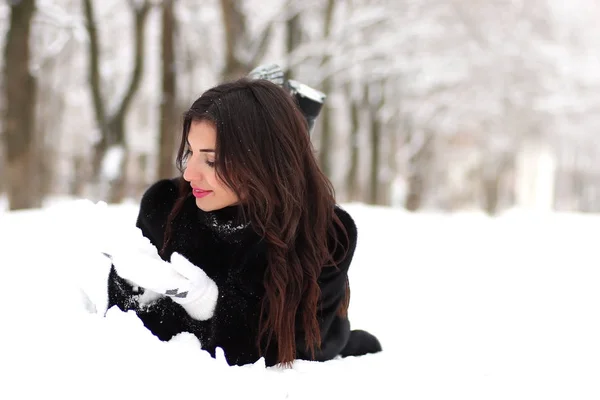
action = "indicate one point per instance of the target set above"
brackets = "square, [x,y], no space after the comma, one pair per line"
[376,101]
[112,123]
[293,30]
[242,54]
[467,85]
[420,165]
[19,113]
[168,117]
[326,139]
[352,178]
[234,23]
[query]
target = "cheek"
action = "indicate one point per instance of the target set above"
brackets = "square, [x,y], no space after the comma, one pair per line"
[223,188]
[217,183]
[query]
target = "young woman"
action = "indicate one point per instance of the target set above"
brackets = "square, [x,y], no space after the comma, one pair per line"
[254,250]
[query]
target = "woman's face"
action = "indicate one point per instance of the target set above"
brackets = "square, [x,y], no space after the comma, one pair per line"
[210,192]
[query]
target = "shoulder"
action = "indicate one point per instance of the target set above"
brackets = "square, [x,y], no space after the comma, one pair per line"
[346,237]
[349,226]
[160,197]
[155,206]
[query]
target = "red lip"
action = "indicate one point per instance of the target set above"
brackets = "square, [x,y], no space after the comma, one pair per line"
[199,193]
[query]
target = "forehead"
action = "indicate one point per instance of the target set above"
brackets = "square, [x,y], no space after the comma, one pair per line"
[202,133]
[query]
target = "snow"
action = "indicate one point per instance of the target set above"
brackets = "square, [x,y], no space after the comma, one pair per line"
[493,73]
[466,306]
[112,161]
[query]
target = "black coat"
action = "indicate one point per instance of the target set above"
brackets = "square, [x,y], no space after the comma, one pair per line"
[234,256]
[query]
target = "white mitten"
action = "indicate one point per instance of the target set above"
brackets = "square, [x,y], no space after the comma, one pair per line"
[199,296]
[129,240]
[187,284]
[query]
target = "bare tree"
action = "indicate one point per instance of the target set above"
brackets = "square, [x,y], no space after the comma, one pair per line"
[50,105]
[112,124]
[241,52]
[420,153]
[293,31]
[466,86]
[326,139]
[234,23]
[352,181]
[376,100]
[168,119]
[19,114]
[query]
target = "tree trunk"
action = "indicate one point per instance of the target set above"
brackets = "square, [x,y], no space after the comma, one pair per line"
[352,176]
[420,163]
[326,135]
[493,175]
[235,31]
[117,189]
[3,166]
[326,128]
[374,175]
[491,192]
[112,127]
[19,117]
[376,101]
[416,188]
[115,185]
[96,88]
[45,154]
[293,39]
[392,167]
[238,37]
[76,186]
[168,119]
[141,164]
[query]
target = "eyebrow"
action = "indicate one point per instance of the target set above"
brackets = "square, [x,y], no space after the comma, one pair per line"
[201,150]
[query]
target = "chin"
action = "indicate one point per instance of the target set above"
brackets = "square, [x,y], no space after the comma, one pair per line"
[203,206]
[206,206]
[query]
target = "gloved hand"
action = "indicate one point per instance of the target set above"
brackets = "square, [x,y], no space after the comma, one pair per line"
[198,296]
[185,283]
[129,241]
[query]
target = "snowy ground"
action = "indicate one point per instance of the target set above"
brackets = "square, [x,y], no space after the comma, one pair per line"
[466,307]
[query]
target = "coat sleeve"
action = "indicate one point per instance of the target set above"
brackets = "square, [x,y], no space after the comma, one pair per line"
[333,282]
[154,209]
[162,316]
[232,326]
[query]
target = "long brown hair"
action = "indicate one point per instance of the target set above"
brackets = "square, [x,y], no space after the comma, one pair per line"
[264,154]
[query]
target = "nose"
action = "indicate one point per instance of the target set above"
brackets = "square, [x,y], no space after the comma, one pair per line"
[192,174]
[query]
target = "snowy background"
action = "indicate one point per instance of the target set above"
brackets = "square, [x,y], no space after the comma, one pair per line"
[467,306]
[446,105]
[462,136]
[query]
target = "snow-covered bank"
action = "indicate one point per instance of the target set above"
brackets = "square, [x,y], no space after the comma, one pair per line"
[466,306]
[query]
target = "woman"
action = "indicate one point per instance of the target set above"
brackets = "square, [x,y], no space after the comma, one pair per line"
[257,248]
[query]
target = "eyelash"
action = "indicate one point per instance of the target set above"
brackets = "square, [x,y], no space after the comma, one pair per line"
[188,153]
